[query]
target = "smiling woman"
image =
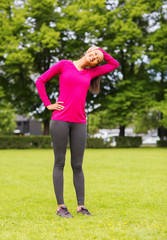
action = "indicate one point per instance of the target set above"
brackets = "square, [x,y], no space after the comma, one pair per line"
[92,58]
[69,118]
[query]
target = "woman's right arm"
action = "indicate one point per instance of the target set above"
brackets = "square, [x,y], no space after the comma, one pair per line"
[45,77]
[111,65]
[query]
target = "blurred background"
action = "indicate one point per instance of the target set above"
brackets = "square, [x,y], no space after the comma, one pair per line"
[36,34]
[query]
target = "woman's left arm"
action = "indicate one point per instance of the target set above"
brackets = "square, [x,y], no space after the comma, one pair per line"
[111,65]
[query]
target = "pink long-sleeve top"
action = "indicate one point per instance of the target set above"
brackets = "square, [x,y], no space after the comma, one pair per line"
[73,87]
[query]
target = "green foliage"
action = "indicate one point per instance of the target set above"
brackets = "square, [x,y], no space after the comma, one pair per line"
[126,36]
[97,143]
[7,116]
[28,142]
[131,100]
[128,142]
[93,123]
[48,38]
[27,45]
[23,142]
[36,34]
[158,53]
[16,60]
[146,120]
[162,143]
[162,107]
[85,17]
[99,120]
[7,120]
[42,11]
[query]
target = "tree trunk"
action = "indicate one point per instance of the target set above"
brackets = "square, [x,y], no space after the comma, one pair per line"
[161,128]
[46,127]
[161,133]
[122,131]
[162,86]
[123,69]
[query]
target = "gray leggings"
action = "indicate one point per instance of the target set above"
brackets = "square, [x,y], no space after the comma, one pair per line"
[60,130]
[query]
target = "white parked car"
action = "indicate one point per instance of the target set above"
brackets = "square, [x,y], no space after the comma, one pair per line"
[150,140]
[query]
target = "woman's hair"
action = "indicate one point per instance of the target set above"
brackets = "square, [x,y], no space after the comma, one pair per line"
[95,85]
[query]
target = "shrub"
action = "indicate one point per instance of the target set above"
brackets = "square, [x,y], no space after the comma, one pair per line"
[22,142]
[128,142]
[162,143]
[97,143]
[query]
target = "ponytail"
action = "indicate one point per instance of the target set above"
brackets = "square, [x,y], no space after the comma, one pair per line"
[95,85]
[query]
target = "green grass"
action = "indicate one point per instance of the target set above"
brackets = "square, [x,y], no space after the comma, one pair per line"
[126,191]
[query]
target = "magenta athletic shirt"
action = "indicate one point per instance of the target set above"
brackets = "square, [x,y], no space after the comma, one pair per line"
[73,87]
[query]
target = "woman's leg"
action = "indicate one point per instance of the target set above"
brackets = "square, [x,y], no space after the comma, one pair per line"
[59,133]
[78,134]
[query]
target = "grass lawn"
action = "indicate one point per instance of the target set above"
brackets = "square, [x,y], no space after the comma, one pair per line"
[126,191]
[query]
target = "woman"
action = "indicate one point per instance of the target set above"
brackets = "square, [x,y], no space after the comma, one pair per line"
[69,118]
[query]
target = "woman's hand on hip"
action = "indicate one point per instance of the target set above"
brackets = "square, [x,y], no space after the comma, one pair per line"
[55,106]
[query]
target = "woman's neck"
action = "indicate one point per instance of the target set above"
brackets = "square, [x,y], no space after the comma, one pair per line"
[80,64]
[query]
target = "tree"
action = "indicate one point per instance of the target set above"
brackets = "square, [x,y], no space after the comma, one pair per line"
[41,33]
[16,61]
[29,46]
[157,53]
[7,116]
[127,33]
[162,107]
[98,120]
[44,45]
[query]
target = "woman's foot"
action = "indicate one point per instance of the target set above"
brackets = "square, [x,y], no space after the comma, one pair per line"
[62,211]
[83,210]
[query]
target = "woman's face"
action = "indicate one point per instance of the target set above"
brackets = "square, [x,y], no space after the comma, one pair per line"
[94,57]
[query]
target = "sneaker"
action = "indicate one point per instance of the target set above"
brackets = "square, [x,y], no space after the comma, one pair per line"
[84,211]
[63,212]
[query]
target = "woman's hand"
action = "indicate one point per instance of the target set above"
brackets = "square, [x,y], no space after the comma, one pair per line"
[55,106]
[92,49]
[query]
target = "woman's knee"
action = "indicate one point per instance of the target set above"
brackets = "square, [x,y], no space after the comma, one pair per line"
[59,162]
[77,167]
